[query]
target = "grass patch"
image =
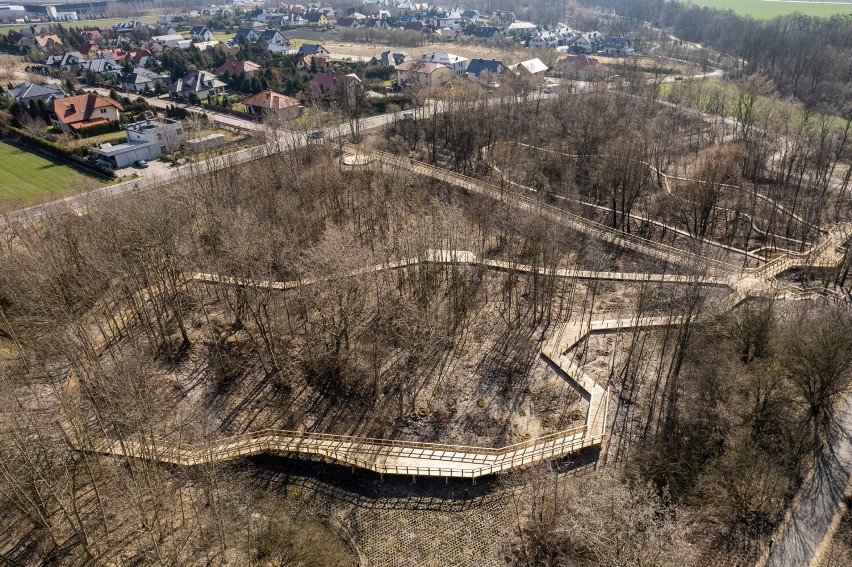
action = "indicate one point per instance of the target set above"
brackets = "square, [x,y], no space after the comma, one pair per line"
[763,10]
[722,89]
[111,137]
[25,176]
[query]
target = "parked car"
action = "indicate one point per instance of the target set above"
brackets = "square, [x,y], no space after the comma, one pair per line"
[104,163]
[316,135]
[140,163]
[678,78]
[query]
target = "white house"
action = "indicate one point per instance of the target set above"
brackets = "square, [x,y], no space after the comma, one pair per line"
[275,41]
[544,39]
[147,139]
[456,63]
[201,33]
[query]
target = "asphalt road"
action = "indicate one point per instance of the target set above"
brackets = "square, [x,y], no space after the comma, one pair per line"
[802,536]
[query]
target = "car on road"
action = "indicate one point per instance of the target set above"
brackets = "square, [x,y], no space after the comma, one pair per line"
[678,78]
[140,163]
[316,135]
[549,89]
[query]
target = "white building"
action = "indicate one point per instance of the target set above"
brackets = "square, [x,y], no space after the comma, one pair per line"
[456,63]
[147,139]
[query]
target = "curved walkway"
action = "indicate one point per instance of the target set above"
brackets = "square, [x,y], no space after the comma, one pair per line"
[437,460]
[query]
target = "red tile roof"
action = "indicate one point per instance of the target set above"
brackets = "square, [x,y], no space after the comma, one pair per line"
[237,67]
[271,100]
[79,109]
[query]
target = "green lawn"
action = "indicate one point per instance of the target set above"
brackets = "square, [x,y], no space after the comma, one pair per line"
[104,23]
[25,176]
[764,10]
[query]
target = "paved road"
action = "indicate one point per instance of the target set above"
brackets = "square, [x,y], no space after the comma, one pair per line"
[802,536]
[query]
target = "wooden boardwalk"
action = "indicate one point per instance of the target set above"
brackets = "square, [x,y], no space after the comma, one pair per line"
[453,461]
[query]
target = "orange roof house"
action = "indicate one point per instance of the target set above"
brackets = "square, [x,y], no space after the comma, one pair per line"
[270,100]
[82,111]
[237,67]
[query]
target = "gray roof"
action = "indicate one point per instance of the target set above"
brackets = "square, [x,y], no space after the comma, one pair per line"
[477,66]
[141,75]
[46,92]
[196,81]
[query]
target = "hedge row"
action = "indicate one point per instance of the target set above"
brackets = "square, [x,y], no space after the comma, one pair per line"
[99,129]
[62,153]
[380,105]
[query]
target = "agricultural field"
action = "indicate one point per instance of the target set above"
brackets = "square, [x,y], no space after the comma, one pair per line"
[105,22]
[768,9]
[25,176]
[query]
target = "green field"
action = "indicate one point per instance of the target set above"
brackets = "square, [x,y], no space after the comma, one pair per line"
[25,176]
[764,10]
[105,23]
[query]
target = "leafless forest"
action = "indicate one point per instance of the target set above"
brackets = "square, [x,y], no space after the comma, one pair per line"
[116,323]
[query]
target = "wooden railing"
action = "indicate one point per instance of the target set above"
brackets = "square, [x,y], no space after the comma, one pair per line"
[372,454]
[607,233]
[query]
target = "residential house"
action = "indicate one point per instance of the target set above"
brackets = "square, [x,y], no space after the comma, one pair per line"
[25,92]
[327,83]
[308,62]
[449,21]
[234,68]
[504,17]
[250,35]
[92,36]
[205,45]
[617,47]
[203,84]
[90,49]
[292,20]
[75,113]
[522,30]
[275,41]
[147,139]
[316,20]
[46,41]
[456,63]
[376,22]
[483,33]
[141,79]
[139,57]
[65,63]
[270,101]
[128,26]
[312,49]
[471,15]
[349,22]
[532,67]
[173,41]
[422,73]
[390,58]
[544,39]
[477,67]
[447,34]
[587,42]
[201,33]
[580,62]
[101,65]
